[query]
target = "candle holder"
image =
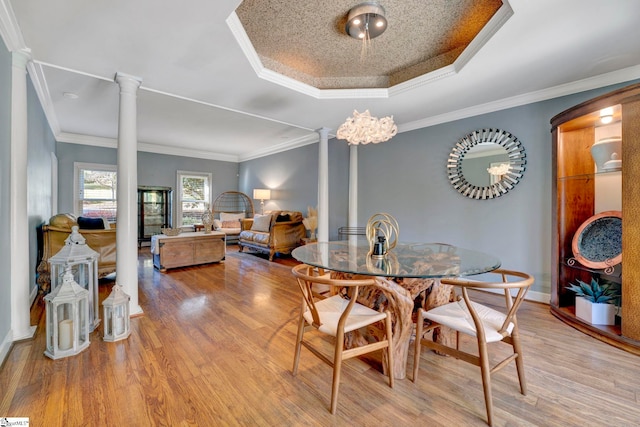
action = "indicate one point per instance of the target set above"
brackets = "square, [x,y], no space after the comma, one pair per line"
[116,315]
[82,261]
[67,313]
[207,221]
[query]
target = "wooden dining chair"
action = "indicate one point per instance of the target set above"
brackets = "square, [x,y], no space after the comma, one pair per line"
[335,316]
[487,325]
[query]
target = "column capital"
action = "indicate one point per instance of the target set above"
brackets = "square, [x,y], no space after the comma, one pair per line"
[127,81]
[20,58]
[323,132]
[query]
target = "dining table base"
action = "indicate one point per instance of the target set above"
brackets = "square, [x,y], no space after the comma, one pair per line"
[401,297]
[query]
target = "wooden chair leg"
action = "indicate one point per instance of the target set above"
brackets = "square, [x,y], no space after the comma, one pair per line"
[517,348]
[299,337]
[337,367]
[390,356]
[417,348]
[485,370]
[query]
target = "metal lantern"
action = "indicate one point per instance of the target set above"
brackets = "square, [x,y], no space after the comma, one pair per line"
[116,315]
[67,311]
[82,261]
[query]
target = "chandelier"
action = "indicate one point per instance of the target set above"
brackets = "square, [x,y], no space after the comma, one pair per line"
[362,128]
[366,21]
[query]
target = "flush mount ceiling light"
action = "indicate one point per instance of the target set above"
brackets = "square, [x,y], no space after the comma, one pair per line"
[606,115]
[366,21]
[362,128]
[70,95]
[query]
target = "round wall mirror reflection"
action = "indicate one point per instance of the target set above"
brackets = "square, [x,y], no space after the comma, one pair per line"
[486,163]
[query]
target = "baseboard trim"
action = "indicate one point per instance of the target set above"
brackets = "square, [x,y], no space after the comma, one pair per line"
[33,295]
[5,348]
[531,295]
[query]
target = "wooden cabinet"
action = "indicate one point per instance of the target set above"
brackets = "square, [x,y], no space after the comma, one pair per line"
[154,211]
[187,249]
[583,189]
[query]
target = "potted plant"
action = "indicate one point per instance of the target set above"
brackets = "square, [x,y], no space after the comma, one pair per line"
[595,303]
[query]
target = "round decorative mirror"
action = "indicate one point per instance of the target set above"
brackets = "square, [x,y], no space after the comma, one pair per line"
[486,163]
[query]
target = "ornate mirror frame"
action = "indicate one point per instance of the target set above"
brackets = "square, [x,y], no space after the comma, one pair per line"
[517,163]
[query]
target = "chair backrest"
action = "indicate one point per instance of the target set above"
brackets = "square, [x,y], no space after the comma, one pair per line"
[233,202]
[307,276]
[522,283]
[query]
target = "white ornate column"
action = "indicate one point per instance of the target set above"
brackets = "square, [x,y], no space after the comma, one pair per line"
[127,191]
[18,215]
[353,190]
[323,185]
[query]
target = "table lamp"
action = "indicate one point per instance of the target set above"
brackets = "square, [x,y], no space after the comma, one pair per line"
[261,194]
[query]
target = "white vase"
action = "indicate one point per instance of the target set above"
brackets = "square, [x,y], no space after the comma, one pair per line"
[607,153]
[596,314]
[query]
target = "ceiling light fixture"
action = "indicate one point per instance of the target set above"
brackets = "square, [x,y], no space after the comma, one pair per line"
[366,21]
[362,128]
[606,115]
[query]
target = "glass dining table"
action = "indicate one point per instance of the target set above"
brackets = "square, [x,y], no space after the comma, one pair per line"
[402,275]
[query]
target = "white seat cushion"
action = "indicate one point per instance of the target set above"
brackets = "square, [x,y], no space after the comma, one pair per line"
[330,310]
[456,316]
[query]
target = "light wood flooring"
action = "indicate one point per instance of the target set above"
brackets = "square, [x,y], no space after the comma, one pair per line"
[215,347]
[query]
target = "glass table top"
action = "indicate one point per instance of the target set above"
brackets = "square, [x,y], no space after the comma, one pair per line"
[409,260]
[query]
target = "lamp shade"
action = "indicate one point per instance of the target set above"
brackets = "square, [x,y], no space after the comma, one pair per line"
[262,194]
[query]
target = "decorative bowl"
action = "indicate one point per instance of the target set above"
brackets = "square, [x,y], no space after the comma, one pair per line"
[606,150]
[598,241]
[171,231]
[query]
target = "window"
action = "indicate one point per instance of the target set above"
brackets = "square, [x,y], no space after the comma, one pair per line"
[194,196]
[95,190]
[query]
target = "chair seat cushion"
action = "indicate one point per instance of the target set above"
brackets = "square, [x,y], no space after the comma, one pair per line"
[330,310]
[456,316]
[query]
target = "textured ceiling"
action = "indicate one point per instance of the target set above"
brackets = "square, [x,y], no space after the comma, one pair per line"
[307,41]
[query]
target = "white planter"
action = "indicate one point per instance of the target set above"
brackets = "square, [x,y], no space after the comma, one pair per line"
[596,314]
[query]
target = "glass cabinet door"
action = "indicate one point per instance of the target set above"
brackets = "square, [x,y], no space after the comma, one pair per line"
[154,211]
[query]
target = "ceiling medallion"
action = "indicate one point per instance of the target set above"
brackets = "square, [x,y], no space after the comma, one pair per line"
[366,21]
[362,128]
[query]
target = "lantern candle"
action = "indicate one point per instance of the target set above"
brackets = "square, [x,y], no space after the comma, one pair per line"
[119,324]
[65,334]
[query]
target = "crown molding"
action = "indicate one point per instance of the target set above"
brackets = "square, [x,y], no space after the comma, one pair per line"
[42,90]
[279,148]
[9,28]
[95,141]
[614,77]
[495,23]
[234,24]
[489,30]
[98,141]
[185,152]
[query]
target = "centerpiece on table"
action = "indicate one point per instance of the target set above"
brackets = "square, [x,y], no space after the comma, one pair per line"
[382,233]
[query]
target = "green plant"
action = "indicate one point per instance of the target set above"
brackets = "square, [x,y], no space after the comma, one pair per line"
[595,292]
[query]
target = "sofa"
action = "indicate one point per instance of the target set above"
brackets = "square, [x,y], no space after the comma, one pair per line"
[275,232]
[98,238]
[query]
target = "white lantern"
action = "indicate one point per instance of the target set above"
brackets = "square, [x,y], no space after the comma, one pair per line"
[67,311]
[82,261]
[116,315]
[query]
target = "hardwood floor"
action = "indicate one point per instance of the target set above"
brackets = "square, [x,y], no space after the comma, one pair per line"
[215,348]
